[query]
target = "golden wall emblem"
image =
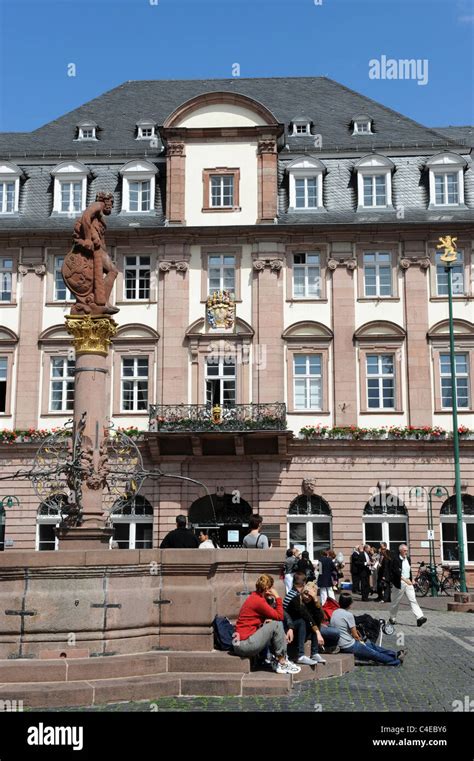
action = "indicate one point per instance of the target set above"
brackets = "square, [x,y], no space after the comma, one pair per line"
[450,248]
[220,310]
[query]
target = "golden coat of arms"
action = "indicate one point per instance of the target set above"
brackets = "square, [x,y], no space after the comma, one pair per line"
[220,310]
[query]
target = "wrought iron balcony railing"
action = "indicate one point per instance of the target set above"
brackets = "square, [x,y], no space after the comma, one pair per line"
[202,417]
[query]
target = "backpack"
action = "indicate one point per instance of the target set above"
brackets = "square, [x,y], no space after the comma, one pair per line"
[368,627]
[223,633]
[328,609]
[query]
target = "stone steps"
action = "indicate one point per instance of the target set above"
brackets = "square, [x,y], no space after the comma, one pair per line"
[147,676]
[463,603]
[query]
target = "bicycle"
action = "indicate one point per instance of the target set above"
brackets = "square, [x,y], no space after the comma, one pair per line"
[446,581]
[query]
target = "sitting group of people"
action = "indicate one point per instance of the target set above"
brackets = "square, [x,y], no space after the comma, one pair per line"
[266,625]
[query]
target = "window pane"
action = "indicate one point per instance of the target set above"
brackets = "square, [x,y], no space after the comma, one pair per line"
[373,533]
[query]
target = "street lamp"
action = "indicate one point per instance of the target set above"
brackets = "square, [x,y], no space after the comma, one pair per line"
[449,258]
[9,501]
[437,491]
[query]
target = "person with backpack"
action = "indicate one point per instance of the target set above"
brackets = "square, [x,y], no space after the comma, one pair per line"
[350,640]
[254,540]
[260,625]
[305,565]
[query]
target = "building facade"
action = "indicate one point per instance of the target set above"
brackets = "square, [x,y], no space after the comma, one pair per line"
[283,309]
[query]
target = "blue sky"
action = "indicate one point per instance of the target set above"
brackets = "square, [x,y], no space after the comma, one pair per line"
[111,41]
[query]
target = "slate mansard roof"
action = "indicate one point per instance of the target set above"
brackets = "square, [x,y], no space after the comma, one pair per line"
[329,105]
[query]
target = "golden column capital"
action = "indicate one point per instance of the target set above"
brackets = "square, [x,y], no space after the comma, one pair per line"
[91,335]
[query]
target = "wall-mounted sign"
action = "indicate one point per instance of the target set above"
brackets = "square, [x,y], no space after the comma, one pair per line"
[430,534]
[232,536]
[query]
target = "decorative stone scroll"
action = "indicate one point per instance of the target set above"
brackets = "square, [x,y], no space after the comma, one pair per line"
[275,265]
[166,266]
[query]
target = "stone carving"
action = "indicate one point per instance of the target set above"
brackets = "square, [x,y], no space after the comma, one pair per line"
[220,310]
[308,487]
[267,146]
[274,264]
[405,264]
[175,149]
[38,269]
[179,266]
[333,264]
[88,270]
[351,264]
[424,263]
[91,334]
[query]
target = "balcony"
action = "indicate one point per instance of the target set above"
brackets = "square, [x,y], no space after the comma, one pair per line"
[200,430]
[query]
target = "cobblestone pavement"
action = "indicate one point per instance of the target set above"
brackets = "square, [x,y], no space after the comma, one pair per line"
[438,669]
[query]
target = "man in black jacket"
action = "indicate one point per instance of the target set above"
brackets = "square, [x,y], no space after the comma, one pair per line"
[400,572]
[362,565]
[181,538]
[355,571]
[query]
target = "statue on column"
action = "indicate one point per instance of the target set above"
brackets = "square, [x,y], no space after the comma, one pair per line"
[88,270]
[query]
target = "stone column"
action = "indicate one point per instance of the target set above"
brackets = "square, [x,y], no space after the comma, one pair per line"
[344,354]
[175,179]
[91,342]
[420,407]
[29,358]
[267,319]
[173,321]
[267,181]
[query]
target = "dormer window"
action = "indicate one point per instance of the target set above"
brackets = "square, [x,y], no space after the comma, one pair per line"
[70,187]
[87,131]
[306,184]
[446,179]
[138,193]
[146,130]
[9,187]
[362,125]
[301,125]
[374,182]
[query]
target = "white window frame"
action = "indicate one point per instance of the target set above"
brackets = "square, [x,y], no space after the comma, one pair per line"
[304,127]
[6,271]
[381,377]
[46,520]
[453,520]
[56,269]
[69,171]
[306,267]
[221,378]
[458,264]
[137,268]
[222,178]
[134,379]
[446,163]
[6,380]
[83,129]
[301,169]
[138,171]
[146,126]
[132,522]
[385,520]
[308,377]
[310,520]
[10,173]
[444,176]
[362,127]
[378,265]
[64,380]
[222,268]
[374,166]
[467,408]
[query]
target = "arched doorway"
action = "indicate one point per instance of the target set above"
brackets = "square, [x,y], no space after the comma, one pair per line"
[449,533]
[226,518]
[132,522]
[385,520]
[310,524]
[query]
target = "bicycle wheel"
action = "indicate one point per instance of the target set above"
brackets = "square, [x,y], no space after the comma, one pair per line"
[422,586]
[449,586]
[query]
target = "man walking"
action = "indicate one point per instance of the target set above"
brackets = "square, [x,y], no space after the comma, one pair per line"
[403,585]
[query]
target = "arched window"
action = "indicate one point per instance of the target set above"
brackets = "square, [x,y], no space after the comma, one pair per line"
[48,519]
[385,520]
[309,524]
[449,535]
[132,522]
[226,518]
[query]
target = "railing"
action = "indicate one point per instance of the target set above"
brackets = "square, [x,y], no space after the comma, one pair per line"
[202,417]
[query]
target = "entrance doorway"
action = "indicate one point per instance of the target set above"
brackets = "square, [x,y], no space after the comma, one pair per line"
[225,520]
